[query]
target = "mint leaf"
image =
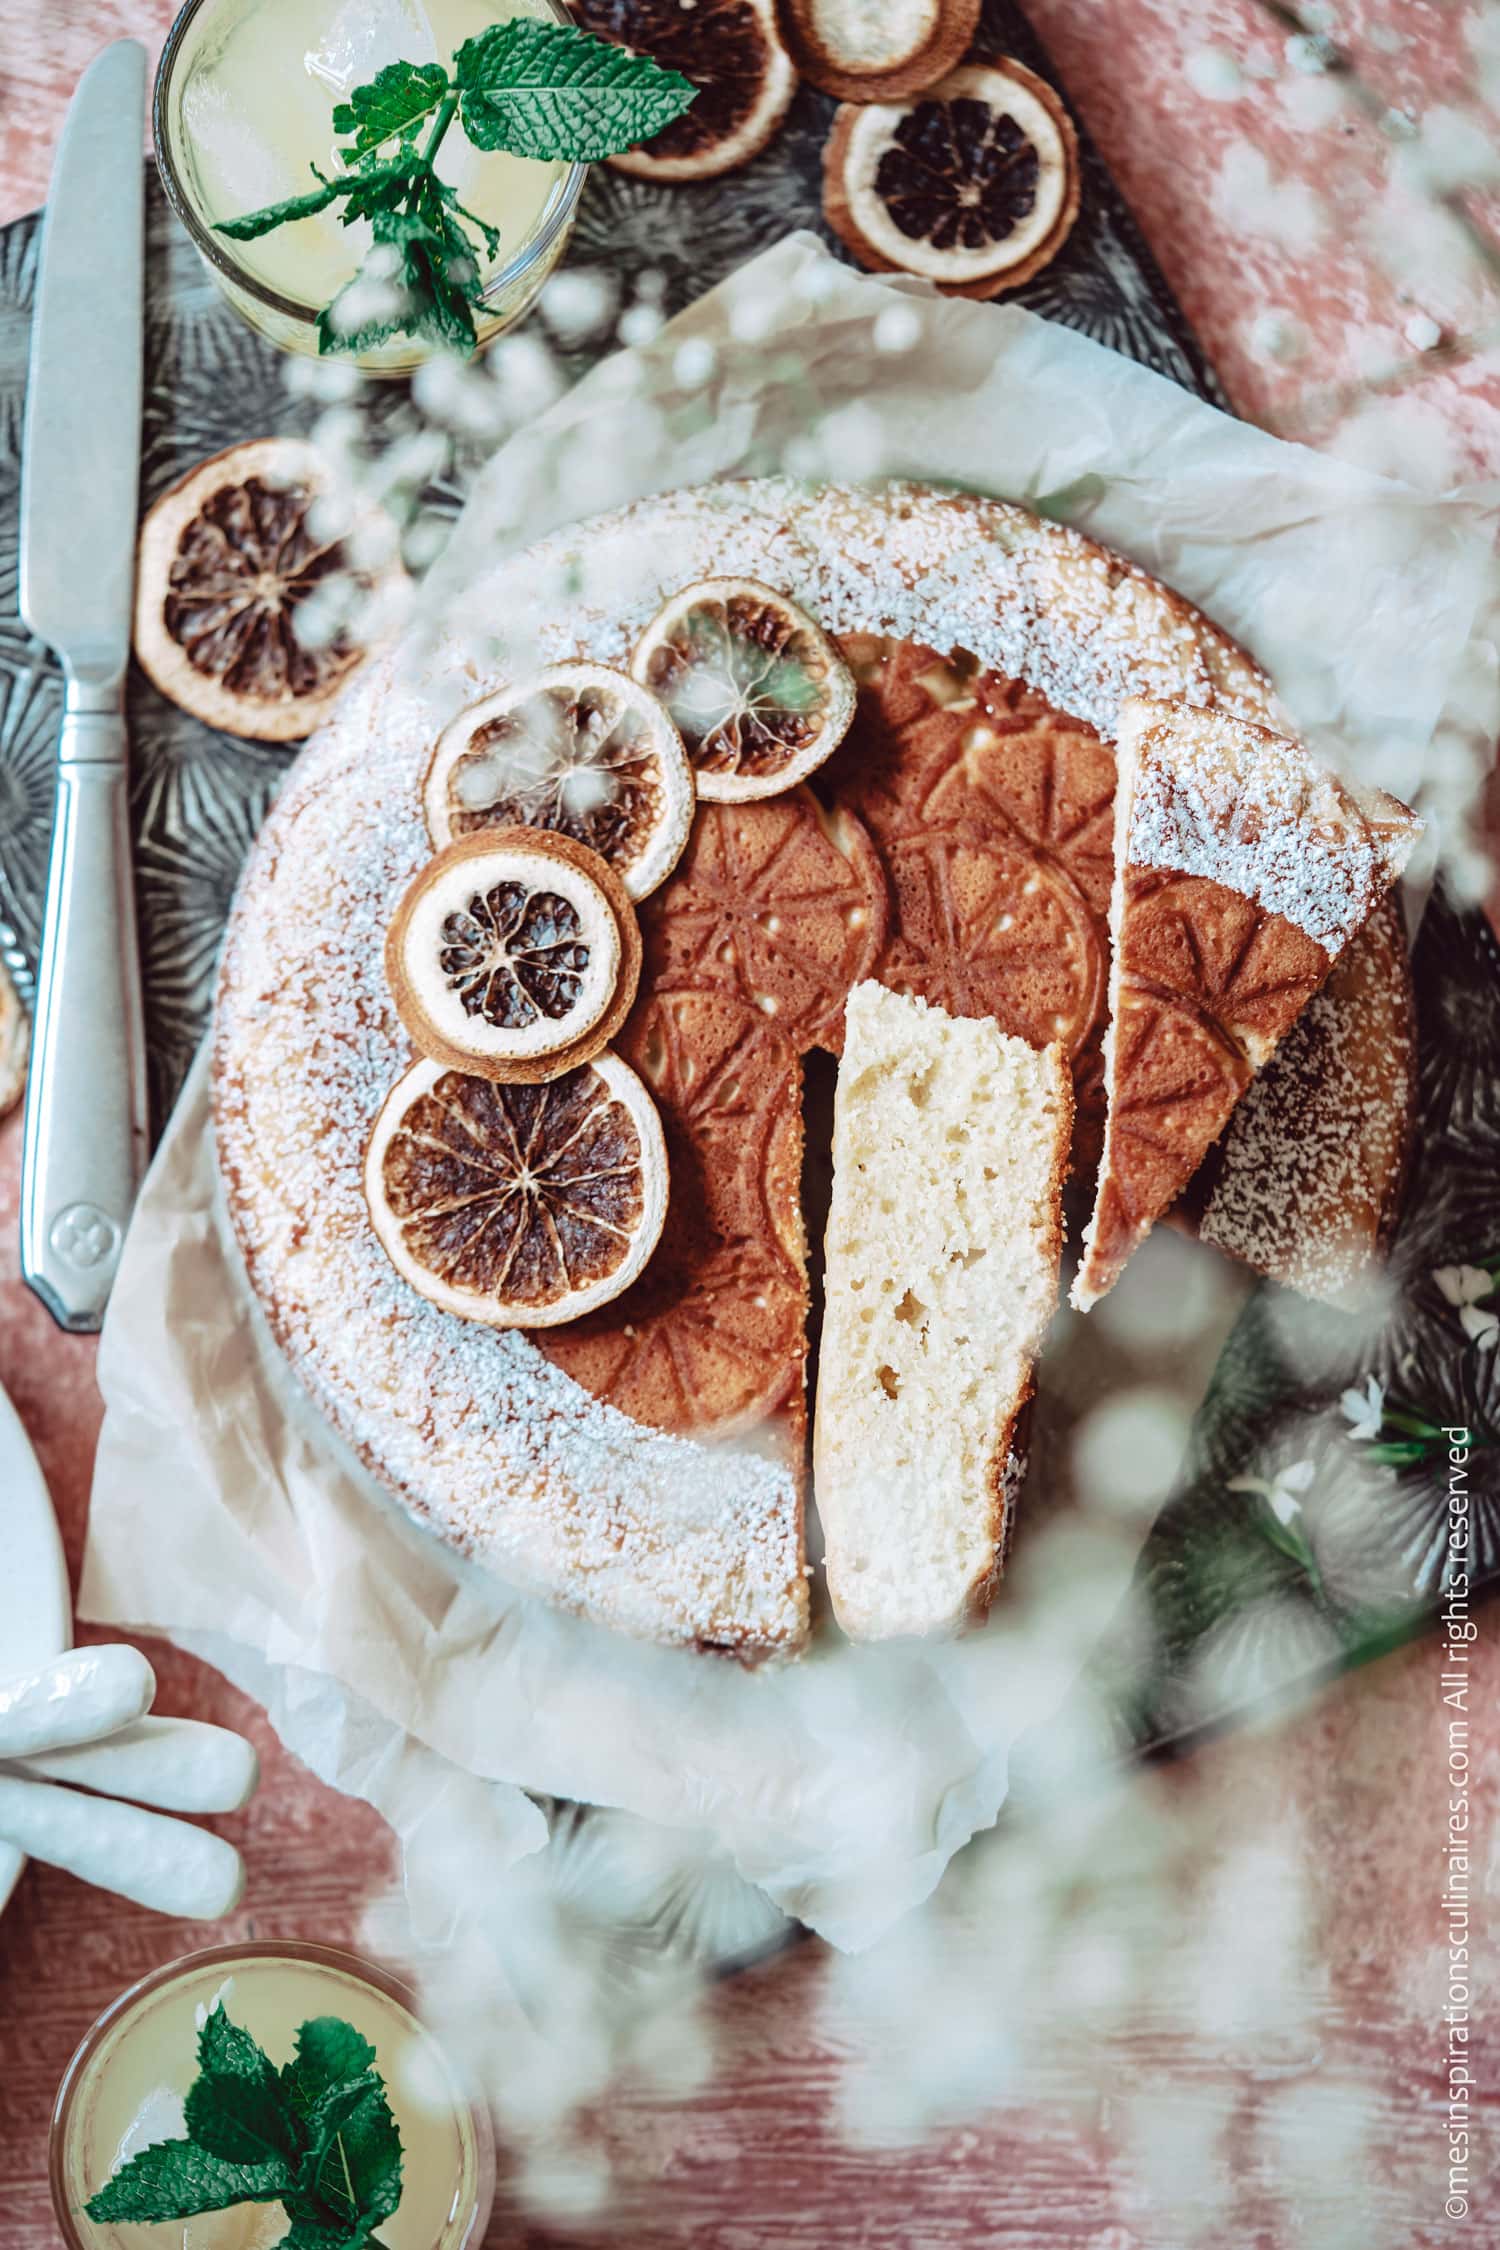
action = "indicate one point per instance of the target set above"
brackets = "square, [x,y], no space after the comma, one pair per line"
[235,2108]
[329,2053]
[396,100]
[377,185]
[441,273]
[176,2180]
[362,187]
[470,218]
[277,214]
[550,91]
[316,2234]
[353,2161]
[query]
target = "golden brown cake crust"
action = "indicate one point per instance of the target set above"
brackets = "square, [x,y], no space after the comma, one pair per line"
[480,1435]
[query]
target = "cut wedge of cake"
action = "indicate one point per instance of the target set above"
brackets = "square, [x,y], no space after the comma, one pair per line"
[950,1147]
[1243,870]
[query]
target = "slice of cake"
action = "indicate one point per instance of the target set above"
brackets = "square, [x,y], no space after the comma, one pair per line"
[950,1147]
[1242,871]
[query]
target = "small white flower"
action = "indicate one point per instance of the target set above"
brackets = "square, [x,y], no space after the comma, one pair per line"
[640,324]
[1280,1496]
[693,362]
[1364,1410]
[1464,1287]
[897,328]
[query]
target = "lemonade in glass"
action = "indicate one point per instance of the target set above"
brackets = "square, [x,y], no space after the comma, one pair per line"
[125,2087]
[244,105]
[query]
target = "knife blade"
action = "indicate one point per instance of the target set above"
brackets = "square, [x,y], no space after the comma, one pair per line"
[85,1132]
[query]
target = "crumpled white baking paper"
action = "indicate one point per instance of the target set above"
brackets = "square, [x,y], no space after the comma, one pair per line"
[227,1517]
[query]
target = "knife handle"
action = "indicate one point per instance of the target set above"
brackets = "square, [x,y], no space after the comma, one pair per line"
[85,1145]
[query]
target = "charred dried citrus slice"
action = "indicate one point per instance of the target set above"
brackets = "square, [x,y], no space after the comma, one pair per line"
[513,953]
[758,692]
[779,902]
[579,749]
[973,184]
[731,51]
[230,562]
[520,1206]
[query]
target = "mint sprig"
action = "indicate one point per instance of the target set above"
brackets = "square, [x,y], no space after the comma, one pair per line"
[542,90]
[549,90]
[316,2136]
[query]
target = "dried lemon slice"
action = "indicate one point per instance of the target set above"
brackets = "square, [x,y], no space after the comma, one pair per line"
[520,1206]
[578,749]
[234,563]
[972,183]
[757,690]
[515,954]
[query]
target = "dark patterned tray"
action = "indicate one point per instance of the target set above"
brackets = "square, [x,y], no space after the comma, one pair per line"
[1243,1604]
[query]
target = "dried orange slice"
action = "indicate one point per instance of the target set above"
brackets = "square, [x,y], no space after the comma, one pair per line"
[514,953]
[520,1206]
[974,183]
[732,52]
[579,749]
[757,690]
[231,561]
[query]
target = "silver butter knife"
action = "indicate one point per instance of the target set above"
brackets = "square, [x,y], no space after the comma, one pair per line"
[85,1142]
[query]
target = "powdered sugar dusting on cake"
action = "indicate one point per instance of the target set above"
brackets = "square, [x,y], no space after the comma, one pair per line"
[482,1437]
[1214,797]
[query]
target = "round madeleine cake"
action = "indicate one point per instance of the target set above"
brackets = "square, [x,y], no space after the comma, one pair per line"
[643,1464]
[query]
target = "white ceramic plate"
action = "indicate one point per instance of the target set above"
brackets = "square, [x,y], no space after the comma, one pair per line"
[36,1616]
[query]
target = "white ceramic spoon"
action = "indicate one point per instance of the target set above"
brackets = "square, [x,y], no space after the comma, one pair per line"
[85,1694]
[178,1765]
[167,1865]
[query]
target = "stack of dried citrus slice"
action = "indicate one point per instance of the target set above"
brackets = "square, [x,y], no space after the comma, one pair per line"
[518,1172]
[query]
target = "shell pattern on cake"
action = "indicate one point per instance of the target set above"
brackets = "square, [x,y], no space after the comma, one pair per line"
[644,1465]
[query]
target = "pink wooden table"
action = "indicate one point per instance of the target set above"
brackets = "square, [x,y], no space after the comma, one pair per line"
[1272,217]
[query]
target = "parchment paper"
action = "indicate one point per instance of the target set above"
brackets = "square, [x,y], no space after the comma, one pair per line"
[227,1517]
